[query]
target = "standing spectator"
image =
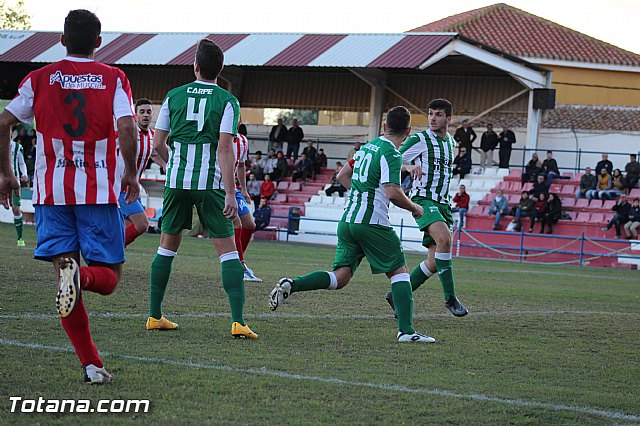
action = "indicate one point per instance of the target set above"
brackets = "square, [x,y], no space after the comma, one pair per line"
[31,160]
[253,188]
[321,160]
[552,213]
[526,208]
[622,209]
[532,169]
[618,186]
[499,207]
[550,168]
[633,172]
[462,163]
[604,185]
[277,135]
[488,143]
[634,220]
[336,186]
[465,136]
[506,138]
[304,169]
[24,139]
[310,151]
[282,168]
[604,163]
[353,150]
[462,200]
[294,137]
[259,164]
[540,187]
[267,189]
[588,183]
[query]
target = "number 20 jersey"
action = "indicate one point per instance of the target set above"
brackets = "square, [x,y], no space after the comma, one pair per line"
[376,163]
[196,114]
[74,102]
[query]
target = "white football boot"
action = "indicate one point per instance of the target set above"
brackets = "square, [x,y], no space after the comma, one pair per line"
[280,293]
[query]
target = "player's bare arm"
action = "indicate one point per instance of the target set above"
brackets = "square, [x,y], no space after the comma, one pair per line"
[128,140]
[396,195]
[242,180]
[344,176]
[160,145]
[227,163]
[8,182]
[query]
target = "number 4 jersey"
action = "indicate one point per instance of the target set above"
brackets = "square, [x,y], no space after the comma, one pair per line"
[376,163]
[74,102]
[196,114]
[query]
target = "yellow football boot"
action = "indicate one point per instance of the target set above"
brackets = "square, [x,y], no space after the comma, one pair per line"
[160,324]
[240,331]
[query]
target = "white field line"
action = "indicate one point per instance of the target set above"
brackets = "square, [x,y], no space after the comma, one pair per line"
[32,315]
[340,382]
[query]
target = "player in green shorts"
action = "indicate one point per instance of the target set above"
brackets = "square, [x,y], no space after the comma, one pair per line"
[428,156]
[20,171]
[199,120]
[365,229]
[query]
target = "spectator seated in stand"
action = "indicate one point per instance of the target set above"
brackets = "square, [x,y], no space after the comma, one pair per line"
[271,162]
[588,182]
[405,178]
[550,169]
[532,169]
[539,187]
[462,163]
[618,186]
[462,200]
[604,184]
[253,188]
[304,169]
[632,170]
[320,161]
[262,215]
[267,189]
[552,213]
[525,208]
[335,185]
[310,151]
[622,209]
[258,165]
[281,170]
[499,207]
[630,228]
[540,205]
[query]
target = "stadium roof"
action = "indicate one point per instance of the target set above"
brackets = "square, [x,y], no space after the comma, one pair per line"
[403,50]
[528,36]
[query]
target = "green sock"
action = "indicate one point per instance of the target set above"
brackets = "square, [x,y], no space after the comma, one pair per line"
[233,283]
[418,277]
[403,299]
[18,223]
[316,280]
[445,272]
[160,272]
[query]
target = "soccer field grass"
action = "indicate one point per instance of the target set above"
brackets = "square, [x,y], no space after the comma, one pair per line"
[541,345]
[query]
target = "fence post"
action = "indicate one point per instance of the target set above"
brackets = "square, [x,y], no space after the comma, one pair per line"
[524,155]
[581,248]
[521,242]
[579,160]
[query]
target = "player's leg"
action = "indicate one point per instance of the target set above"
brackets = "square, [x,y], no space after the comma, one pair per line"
[17,217]
[348,256]
[244,226]
[176,214]
[210,205]
[136,221]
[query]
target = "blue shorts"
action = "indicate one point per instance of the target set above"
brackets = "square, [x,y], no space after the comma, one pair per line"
[129,209]
[96,230]
[243,207]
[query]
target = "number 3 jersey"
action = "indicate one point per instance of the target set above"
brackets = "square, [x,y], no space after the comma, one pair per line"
[74,102]
[196,114]
[435,157]
[376,163]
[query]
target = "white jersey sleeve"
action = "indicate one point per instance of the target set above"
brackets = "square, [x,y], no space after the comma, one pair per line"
[228,118]
[22,105]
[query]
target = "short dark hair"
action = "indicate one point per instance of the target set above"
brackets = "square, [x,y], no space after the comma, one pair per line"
[210,58]
[81,31]
[142,101]
[549,152]
[398,120]
[525,192]
[633,155]
[442,104]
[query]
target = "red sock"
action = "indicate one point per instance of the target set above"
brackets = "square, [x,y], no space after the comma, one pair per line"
[98,279]
[237,233]
[77,327]
[130,234]
[246,237]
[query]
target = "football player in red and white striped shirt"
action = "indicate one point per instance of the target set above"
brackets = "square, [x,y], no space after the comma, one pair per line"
[243,224]
[136,221]
[74,102]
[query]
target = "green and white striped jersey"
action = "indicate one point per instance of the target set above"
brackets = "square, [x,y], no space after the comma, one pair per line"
[17,160]
[376,163]
[196,114]
[435,157]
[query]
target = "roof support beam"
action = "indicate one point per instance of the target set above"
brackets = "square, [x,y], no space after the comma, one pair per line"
[377,80]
